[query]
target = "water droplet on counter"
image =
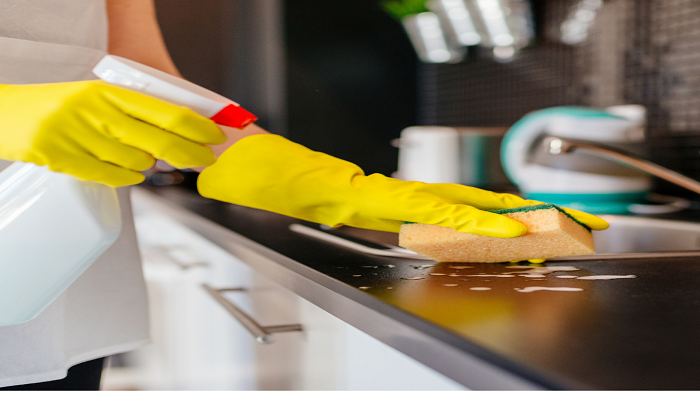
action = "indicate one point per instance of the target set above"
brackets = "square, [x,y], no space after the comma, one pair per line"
[414,278]
[562,268]
[545,270]
[480,288]
[421,266]
[389,266]
[566,276]
[436,274]
[374,273]
[450,284]
[531,289]
[364,287]
[369,266]
[356,275]
[606,277]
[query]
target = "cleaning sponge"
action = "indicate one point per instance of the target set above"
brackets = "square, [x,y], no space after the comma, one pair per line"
[551,232]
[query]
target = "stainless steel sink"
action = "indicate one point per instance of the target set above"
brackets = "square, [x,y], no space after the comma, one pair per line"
[640,237]
[638,234]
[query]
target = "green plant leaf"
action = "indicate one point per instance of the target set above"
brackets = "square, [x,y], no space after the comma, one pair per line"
[400,9]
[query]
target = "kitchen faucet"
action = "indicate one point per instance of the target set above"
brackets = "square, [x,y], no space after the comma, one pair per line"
[557,146]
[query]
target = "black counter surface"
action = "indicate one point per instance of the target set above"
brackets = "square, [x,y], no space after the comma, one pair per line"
[632,333]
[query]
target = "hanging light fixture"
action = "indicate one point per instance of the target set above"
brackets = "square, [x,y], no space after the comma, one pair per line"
[429,39]
[493,15]
[457,20]
[508,25]
[442,33]
[576,27]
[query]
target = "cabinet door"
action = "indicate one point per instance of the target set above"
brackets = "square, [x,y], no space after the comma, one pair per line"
[372,365]
[312,359]
[195,344]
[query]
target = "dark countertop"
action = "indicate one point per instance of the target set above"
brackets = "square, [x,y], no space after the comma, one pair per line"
[639,333]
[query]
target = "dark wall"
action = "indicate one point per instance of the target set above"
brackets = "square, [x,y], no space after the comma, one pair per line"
[194,33]
[351,80]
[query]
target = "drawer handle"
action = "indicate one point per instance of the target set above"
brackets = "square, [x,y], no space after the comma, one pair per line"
[170,253]
[262,334]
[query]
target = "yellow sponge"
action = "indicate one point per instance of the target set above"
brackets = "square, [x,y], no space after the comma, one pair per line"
[551,232]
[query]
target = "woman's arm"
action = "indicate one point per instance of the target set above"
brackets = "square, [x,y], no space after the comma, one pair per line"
[134,34]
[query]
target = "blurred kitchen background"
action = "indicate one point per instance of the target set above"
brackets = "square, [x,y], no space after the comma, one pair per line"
[343,76]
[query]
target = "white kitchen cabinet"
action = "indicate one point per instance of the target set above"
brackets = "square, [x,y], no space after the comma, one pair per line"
[195,345]
[198,345]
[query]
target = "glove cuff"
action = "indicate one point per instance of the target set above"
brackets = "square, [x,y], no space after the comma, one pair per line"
[275,174]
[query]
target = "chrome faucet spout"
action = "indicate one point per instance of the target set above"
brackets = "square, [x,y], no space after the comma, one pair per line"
[557,146]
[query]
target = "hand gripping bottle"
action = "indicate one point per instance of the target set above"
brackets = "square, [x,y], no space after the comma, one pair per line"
[54,226]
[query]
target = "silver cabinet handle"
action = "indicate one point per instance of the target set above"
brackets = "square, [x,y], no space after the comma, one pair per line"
[262,334]
[170,254]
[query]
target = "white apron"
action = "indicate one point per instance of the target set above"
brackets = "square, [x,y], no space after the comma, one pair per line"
[104,311]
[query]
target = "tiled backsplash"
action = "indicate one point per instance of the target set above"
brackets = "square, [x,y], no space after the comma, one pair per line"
[639,52]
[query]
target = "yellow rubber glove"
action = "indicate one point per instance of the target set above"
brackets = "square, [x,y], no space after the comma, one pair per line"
[272,173]
[99,132]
